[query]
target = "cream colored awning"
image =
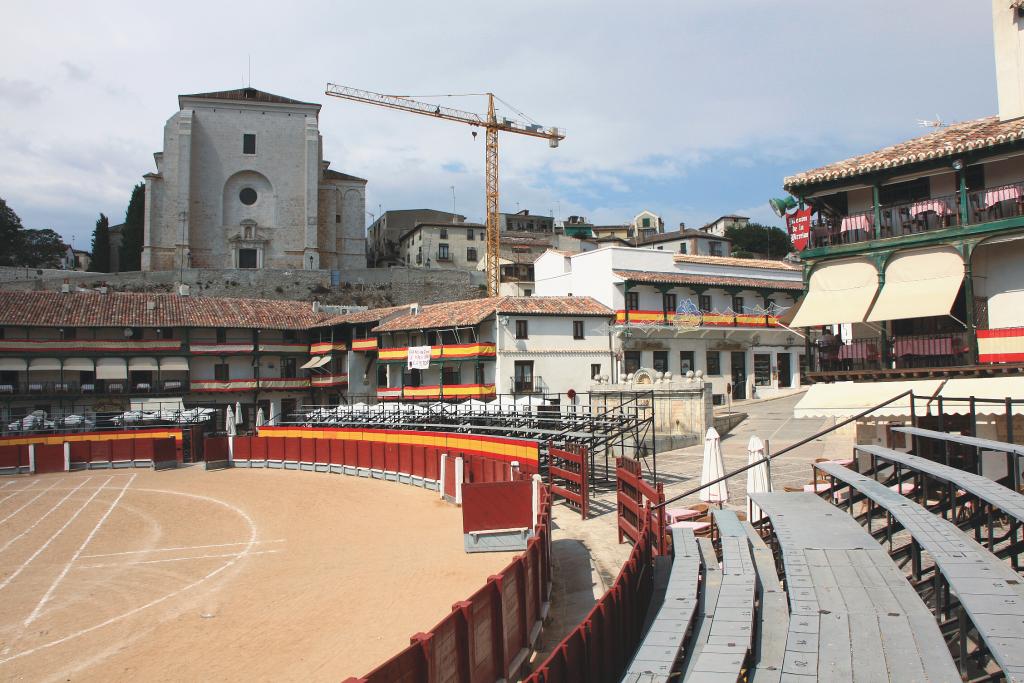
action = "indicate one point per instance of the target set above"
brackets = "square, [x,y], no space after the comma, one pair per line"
[311,363]
[991,388]
[13,364]
[839,292]
[322,362]
[919,284]
[44,364]
[79,364]
[143,364]
[111,368]
[175,363]
[846,399]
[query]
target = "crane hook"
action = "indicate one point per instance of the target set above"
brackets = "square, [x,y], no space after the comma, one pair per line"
[474,134]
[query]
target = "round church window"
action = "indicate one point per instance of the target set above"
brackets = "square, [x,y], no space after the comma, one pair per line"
[247,196]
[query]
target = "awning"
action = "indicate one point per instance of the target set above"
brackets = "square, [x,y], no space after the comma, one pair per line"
[322,362]
[311,363]
[846,399]
[111,368]
[13,364]
[79,365]
[919,284]
[174,363]
[997,388]
[839,292]
[142,364]
[44,364]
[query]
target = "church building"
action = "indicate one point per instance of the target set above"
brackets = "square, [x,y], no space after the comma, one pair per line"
[242,183]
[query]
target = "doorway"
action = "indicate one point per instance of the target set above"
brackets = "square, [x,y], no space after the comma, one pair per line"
[785,370]
[739,375]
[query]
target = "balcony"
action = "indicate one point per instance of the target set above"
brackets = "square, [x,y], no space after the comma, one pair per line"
[900,356]
[451,351]
[250,384]
[71,346]
[527,385]
[329,380]
[433,392]
[925,215]
[51,390]
[703,319]
[322,348]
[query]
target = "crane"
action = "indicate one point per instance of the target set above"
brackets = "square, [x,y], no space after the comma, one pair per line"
[491,124]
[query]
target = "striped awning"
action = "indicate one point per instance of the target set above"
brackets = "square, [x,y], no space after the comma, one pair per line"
[13,364]
[174,363]
[311,363]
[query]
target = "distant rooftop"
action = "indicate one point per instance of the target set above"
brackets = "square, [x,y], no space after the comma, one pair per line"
[248,95]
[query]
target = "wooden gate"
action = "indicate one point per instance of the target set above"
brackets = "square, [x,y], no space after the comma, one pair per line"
[569,472]
[634,497]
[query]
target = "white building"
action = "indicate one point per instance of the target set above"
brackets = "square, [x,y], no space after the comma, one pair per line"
[675,313]
[723,223]
[242,183]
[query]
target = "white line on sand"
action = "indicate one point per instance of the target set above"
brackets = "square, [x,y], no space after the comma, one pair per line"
[7,483]
[64,572]
[30,501]
[12,494]
[182,547]
[175,559]
[7,545]
[21,567]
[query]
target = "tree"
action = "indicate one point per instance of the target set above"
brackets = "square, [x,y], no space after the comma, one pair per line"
[755,238]
[131,233]
[101,246]
[41,248]
[10,235]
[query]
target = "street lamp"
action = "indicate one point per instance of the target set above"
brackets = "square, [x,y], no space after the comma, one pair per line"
[311,262]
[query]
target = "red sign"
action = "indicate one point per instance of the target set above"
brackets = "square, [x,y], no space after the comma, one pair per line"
[799,224]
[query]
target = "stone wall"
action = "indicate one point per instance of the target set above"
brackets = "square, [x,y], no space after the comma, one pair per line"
[372,287]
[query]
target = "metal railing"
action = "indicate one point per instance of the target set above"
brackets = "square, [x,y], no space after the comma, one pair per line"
[533,385]
[940,350]
[94,388]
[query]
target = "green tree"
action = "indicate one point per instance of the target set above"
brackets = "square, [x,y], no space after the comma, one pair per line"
[131,233]
[10,235]
[755,238]
[101,246]
[41,248]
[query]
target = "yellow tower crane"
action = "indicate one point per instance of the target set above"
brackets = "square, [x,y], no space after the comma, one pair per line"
[492,125]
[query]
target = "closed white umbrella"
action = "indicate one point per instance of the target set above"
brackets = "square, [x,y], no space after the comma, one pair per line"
[239,415]
[758,480]
[229,421]
[259,417]
[713,468]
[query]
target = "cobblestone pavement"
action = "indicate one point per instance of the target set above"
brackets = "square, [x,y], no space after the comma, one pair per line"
[772,420]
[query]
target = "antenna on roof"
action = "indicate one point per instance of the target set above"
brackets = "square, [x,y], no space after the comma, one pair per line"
[937,123]
[249,82]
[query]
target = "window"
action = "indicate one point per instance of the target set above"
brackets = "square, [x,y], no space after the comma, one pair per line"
[714,363]
[247,196]
[412,378]
[661,361]
[222,335]
[682,247]
[167,333]
[763,369]
[221,372]
[247,258]
[631,361]
[595,370]
[248,143]
[704,302]
[522,329]
[451,375]
[481,236]
[470,234]
[737,304]
[527,292]
[577,329]
[632,301]
[444,233]
[471,254]
[337,218]
[715,248]
[646,222]
[523,380]
[382,375]
[442,252]
[668,302]
[685,362]
[291,336]
[68,333]
[288,367]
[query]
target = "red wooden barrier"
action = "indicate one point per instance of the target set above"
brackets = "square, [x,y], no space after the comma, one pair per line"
[243,447]
[337,453]
[80,452]
[323,451]
[633,495]
[570,477]
[166,453]
[122,450]
[292,448]
[13,456]
[99,451]
[497,505]
[275,448]
[307,450]
[49,458]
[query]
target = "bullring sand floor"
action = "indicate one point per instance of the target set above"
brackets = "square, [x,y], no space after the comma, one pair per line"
[230,575]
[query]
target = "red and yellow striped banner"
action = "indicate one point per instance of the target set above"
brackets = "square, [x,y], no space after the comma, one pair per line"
[454,351]
[369,344]
[641,317]
[328,380]
[113,435]
[1001,346]
[321,348]
[86,345]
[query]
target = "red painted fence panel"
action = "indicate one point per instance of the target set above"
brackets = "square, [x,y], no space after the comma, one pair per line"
[337,454]
[497,505]
[243,447]
[570,477]
[80,451]
[143,449]
[391,457]
[99,451]
[13,456]
[275,448]
[323,451]
[363,458]
[307,449]
[122,450]
[49,458]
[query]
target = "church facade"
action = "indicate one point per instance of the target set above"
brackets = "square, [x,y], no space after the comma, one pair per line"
[242,183]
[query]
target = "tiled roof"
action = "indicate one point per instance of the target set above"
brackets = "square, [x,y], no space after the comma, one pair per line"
[371,315]
[945,142]
[647,277]
[680,234]
[475,311]
[247,95]
[729,261]
[123,309]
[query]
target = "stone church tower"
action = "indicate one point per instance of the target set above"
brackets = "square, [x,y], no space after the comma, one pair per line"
[241,183]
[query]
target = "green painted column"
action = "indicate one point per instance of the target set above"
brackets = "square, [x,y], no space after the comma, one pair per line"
[878,211]
[972,329]
[964,211]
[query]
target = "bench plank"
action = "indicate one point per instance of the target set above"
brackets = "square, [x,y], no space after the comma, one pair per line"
[773,619]
[974,441]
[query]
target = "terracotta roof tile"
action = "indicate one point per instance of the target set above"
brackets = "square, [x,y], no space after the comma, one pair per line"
[647,277]
[124,309]
[371,315]
[729,261]
[474,311]
[945,142]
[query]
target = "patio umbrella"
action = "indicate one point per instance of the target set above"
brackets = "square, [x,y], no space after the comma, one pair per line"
[259,417]
[229,422]
[713,468]
[239,415]
[757,477]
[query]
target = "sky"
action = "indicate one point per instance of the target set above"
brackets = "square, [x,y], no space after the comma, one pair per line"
[689,108]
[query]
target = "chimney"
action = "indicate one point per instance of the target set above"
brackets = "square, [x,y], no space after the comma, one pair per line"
[102,289]
[151,305]
[316,307]
[183,290]
[414,309]
[66,287]
[1008,40]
